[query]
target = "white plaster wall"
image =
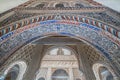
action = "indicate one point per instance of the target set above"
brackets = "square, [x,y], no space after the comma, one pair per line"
[114,4]
[8,4]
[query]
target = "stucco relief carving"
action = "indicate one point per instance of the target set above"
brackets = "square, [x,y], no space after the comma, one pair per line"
[63,29]
[82,31]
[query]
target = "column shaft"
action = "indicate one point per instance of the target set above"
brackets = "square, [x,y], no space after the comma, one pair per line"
[70,73]
[49,73]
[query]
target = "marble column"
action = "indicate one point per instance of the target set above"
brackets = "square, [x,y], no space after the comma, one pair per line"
[71,74]
[49,73]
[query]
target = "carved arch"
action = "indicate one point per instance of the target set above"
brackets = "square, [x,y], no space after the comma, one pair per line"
[22,69]
[98,65]
[81,28]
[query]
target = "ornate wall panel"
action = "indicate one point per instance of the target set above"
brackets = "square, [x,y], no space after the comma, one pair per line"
[96,36]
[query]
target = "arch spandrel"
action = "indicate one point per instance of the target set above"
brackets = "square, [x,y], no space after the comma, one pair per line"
[83,31]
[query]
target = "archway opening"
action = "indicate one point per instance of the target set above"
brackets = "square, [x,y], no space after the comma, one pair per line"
[40,5]
[78,5]
[105,74]
[59,60]
[13,73]
[59,5]
[41,78]
[63,52]
[103,71]
[60,74]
